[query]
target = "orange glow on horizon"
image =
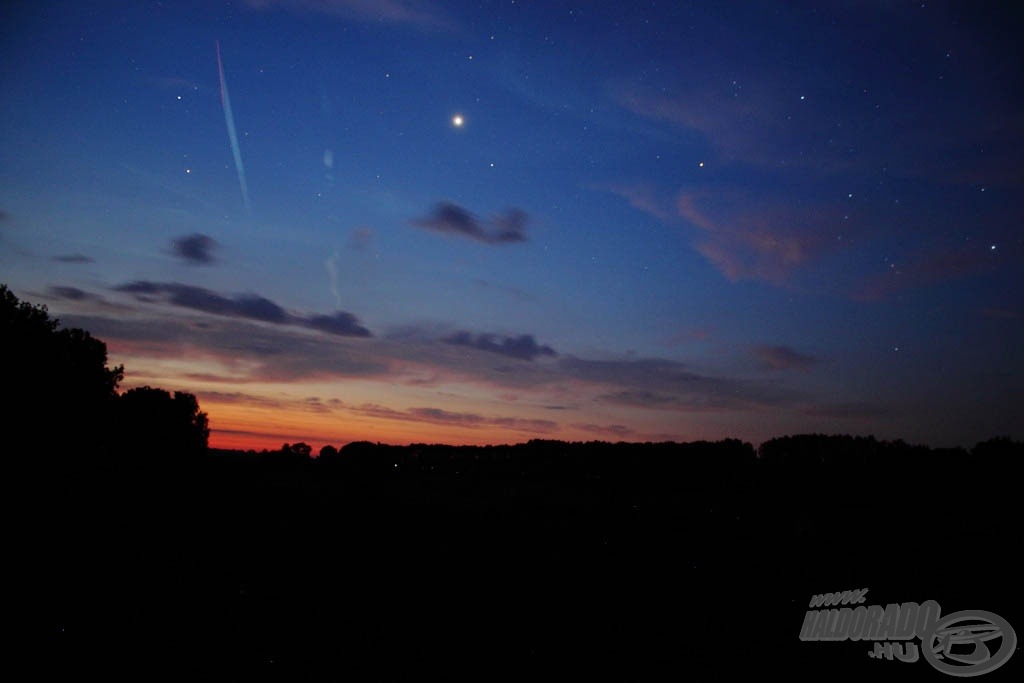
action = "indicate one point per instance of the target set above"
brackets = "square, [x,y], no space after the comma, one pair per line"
[243,427]
[253,414]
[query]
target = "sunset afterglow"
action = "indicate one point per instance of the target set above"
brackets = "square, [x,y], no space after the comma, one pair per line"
[438,222]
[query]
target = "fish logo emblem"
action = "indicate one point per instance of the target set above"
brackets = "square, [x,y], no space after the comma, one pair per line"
[961,643]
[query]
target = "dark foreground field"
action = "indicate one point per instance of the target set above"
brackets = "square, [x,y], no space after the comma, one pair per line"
[542,558]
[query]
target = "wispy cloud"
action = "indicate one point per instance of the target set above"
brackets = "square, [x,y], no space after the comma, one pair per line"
[360,239]
[1001,313]
[926,269]
[662,384]
[689,336]
[232,351]
[782,357]
[744,234]
[779,116]
[451,418]
[643,198]
[227,341]
[245,399]
[738,122]
[516,293]
[686,402]
[849,411]
[414,12]
[767,243]
[615,430]
[331,265]
[236,345]
[452,219]
[69,293]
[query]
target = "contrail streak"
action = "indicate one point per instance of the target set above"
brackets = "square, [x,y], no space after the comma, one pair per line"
[229,118]
[331,265]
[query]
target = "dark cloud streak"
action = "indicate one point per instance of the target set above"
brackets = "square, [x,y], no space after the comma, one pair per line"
[74,258]
[452,219]
[523,347]
[661,384]
[69,293]
[196,249]
[246,306]
[340,323]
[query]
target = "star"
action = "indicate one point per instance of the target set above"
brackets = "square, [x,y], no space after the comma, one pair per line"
[458,121]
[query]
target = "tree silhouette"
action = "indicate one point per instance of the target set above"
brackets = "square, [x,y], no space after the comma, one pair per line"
[59,381]
[56,377]
[154,422]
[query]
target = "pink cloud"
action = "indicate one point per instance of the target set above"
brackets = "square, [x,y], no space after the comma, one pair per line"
[642,198]
[782,357]
[766,243]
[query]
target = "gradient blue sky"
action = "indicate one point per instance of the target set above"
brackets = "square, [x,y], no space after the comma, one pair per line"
[659,220]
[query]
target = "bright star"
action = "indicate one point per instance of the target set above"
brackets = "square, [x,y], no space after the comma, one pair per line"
[458,121]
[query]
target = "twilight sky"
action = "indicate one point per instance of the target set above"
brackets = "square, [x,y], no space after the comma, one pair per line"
[414,221]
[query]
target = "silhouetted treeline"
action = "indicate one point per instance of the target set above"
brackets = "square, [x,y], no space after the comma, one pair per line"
[582,556]
[808,461]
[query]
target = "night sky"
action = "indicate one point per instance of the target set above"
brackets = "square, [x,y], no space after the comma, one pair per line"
[412,221]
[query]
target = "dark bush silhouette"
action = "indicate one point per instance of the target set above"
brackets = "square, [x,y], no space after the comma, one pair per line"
[1000,446]
[300,449]
[152,422]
